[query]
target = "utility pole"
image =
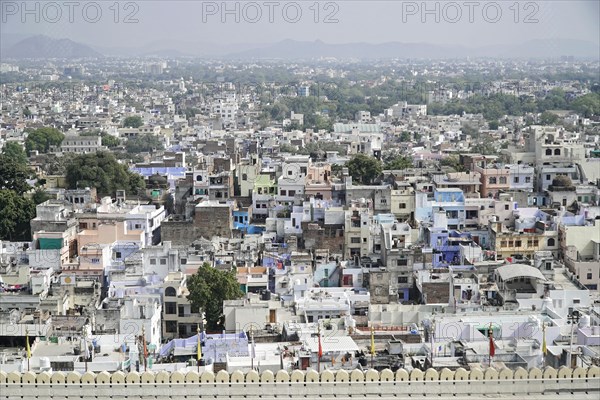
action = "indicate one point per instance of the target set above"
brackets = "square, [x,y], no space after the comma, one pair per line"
[572,318]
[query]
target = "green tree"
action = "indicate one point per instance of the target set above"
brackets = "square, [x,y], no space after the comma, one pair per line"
[208,288]
[399,162]
[452,161]
[548,118]
[40,196]
[42,139]
[143,143]
[16,213]
[485,148]
[405,136]
[102,171]
[363,168]
[587,105]
[134,121]
[493,125]
[13,176]
[15,152]
[110,141]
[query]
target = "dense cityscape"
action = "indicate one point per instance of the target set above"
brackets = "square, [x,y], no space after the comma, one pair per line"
[173,219]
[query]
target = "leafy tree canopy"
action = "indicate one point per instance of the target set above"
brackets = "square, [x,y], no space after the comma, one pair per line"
[102,171]
[17,211]
[548,118]
[398,162]
[110,141]
[208,288]
[143,143]
[363,168]
[134,121]
[15,152]
[42,139]
[13,175]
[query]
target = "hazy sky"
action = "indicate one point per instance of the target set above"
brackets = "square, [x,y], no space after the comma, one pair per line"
[469,23]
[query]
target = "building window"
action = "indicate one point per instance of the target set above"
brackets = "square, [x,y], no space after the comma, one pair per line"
[403,279]
[199,178]
[163,261]
[551,242]
[548,152]
[402,205]
[171,326]
[355,240]
[402,262]
[170,307]
[503,180]
[527,179]
[506,207]
[181,311]
[492,180]
[548,177]
[118,254]
[589,275]
[516,179]
[182,330]
[170,291]
[517,243]
[557,152]
[244,177]
[153,261]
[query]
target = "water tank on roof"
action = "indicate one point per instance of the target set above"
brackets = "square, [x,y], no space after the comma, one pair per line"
[584,322]
[266,295]
[44,364]
[547,304]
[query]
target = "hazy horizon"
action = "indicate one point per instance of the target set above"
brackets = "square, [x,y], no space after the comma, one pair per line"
[262,22]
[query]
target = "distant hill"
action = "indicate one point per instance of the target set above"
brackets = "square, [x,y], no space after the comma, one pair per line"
[543,48]
[46,47]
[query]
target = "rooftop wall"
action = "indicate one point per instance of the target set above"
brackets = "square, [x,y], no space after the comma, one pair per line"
[476,383]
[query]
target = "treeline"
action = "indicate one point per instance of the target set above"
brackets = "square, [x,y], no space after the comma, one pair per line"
[495,106]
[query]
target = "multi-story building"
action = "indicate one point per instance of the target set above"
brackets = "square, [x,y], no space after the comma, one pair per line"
[532,231]
[81,144]
[54,229]
[396,240]
[318,182]
[580,250]
[358,240]
[180,319]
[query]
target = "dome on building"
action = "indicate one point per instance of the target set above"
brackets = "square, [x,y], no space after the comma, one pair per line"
[157,180]
[561,183]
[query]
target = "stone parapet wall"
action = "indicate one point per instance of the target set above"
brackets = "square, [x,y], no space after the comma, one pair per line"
[476,383]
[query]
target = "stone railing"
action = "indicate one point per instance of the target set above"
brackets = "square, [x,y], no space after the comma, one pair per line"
[344,384]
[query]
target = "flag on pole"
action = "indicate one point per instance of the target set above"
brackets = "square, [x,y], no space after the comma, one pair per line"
[492,347]
[372,341]
[544,346]
[145,348]
[85,348]
[27,345]
[320,346]
[199,350]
